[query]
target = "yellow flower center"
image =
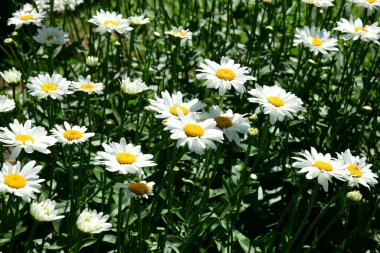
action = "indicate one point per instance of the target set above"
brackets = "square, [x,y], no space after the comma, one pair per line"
[276,101]
[72,135]
[371,1]
[173,110]
[111,23]
[358,29]
[193,130]
[316,41]
[24,138]
[323,166]
[355,171]
[223,122]
[26,17]
[225,74]
[126,158]
[47,87]
[15,181]
[180,34]
[139,188]
[87,86]
[50,37]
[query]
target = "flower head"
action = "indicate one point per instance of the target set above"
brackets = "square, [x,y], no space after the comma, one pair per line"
[87,86]
[108,22]
[71,134]
[355,30]
[132,87]
[319,3]
[44,211]
[26,17]
[179,32]
[6,104]
[140,189]
[11,76]
[54,86]
[316,41]
[368,4]
[138,20]
[50,36]
[92,222]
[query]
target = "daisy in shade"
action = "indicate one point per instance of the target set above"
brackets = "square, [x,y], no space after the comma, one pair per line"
[26,17]
[276,102]
[230,123]
[109,22]
[54,86]
[223,76]
[50,36]
[369,4]
[138,190]
[170,105]
[316,41]
[86,85]
[6,104]
[92,222]
[134,87]
[11,76]
[319,3]
[358,172]
[179,32]
[318,165]
[22,182]
[124,158]
[44,211]
[24,136]
[197,135]
[354,30]
[71,134]
[138,20]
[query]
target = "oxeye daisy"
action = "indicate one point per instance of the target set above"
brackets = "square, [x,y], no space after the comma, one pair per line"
[197,135]
[355,30]
[124,158]
[71,134]
[22,182]
[11,76]
[230,123]
[138,190]
[26,17]
[170,105]
[358,172]
[368,4]
[92,222]
[316,41]
[134,87]
[86,85]
[108,22]
[24,136]
[276,102]
[54,86]
[318,165]
[179,32]
[6,104]
[50,36]
[224,75]
[62,5]
[44,211]
[319,3]
[138,20]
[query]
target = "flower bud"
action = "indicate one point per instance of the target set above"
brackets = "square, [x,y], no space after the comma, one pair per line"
[354,196]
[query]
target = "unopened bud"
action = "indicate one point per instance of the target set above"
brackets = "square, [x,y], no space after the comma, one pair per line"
[157,34]
[311,61]
[8,41]
[253,118]
[367,108]
[175,168]
[92,61]
[269,28]
[253,176]
[253,131]
[355,196]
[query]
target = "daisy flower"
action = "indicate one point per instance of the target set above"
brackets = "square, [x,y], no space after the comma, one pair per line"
[92,222]
[62,5]
[132,87]
[71,135]
[196,134]
[354,30]
[50,36]
[26,17]
[22,182]
[358,172]
[108,22]
[44,211]
[92,61]
[85,85]
[369,4]
[170,105]
[316,41]
[319,3]
[224,75]
[26,137]
[138,20]
[11,76]
[6,104]
[138,190]
[54,86]
[180,33]
[230,123]
[124,158]
[318,165]
[276,102]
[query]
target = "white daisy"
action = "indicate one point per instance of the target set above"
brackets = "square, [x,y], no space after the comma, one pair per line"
[170,105]
[22,17]
[358,172]
[87,86]
[138,20]
[124,158]
[224,75]
[44,211]
[179,32]
[91,222]
[11,76]
[369,4]
[108,22]
[319,165]
[22,182]
[319,3]
[230,123]
[6,104]
[196,134]
[71,134]
[139,190]
[132,87]
[316,41]
[54,86]
[62,5]
[24,136]
[50,36]
[276,102]
[355,30]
